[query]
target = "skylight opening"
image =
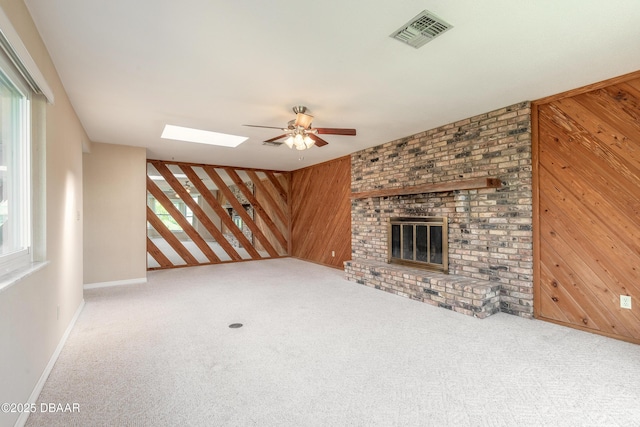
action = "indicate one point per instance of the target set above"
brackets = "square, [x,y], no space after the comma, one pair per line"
[200,136]
[161,178]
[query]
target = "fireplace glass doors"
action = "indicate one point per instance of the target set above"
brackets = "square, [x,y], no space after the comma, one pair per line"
[419,242]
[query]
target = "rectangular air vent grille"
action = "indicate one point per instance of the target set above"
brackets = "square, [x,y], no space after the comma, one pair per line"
[421,29]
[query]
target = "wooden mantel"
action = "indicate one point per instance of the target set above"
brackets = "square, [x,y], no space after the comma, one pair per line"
[463,184]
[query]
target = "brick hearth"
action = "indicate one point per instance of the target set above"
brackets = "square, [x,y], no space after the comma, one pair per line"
[473,297]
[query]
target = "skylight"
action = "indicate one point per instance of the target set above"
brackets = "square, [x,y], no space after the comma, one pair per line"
[161,178]
[200,136]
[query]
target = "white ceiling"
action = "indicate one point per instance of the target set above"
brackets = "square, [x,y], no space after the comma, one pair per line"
[132,66]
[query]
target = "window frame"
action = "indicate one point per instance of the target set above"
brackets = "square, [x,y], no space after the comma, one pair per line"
[22,256]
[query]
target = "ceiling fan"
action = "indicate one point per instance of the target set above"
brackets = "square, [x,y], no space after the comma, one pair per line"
[299,132]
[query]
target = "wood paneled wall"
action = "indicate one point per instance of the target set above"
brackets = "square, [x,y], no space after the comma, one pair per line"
[587,207]
[226,214]
[321,212]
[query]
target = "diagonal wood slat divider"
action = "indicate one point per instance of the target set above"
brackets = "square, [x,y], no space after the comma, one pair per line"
[268,190]
[170,238]
[197,211]
[268,197]
[217,224]
[278,186]
[180,219]
[257,206]
[237,206]
[224,217]
[157,254]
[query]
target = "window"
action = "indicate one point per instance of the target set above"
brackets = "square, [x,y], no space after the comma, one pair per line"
[15,185]
[24,93]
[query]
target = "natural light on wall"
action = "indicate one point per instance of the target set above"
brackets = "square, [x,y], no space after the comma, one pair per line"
[199,136]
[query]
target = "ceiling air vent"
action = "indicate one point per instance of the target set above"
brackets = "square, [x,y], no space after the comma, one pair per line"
[421,29]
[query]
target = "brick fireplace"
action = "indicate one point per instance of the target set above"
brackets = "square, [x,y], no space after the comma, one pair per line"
[490,237]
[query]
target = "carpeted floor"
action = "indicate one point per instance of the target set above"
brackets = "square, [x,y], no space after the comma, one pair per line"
[316,350]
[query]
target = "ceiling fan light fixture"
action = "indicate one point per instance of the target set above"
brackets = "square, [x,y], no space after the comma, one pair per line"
[298,142]
[300,135]
[289,141]
[308,142]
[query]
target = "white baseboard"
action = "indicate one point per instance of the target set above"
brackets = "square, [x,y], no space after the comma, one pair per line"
[115,283]
[22,419]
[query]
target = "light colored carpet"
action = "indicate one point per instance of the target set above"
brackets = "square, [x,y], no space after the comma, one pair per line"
[316,350]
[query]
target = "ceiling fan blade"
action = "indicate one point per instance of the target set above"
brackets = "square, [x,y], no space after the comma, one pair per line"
[276,138]
[303,120]
[319,141]
[335,131]
[266,127]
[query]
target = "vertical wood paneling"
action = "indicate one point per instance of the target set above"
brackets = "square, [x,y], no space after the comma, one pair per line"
[220,188]
[321,212]
[588,204]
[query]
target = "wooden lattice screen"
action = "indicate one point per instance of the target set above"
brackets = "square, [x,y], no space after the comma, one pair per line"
[204,214]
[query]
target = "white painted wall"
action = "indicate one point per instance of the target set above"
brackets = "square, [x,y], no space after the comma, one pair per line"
[30,329]
[115,241]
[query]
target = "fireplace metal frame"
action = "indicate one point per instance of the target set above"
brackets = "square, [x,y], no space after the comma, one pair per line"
[428,221]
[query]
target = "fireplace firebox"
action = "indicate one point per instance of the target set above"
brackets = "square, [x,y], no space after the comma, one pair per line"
[419,242]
